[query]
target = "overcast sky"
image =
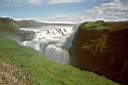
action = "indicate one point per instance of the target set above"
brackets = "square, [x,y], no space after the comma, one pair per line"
[70,10]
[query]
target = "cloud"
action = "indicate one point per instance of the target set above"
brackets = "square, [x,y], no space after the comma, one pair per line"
[70,18]
[115,10]
[35,2]
[64,1]
[20,2]
[112,10]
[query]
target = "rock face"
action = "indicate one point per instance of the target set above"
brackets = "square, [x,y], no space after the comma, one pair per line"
[104,51]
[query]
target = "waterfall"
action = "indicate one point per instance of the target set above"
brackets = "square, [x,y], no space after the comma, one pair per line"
[57,54]
[51,41]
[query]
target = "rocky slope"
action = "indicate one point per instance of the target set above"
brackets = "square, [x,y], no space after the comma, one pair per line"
[11,75]
[103,49]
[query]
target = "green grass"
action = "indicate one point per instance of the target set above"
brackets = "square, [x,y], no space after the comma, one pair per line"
[93,25]
[46,72]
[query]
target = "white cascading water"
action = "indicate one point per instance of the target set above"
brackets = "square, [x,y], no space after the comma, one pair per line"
[50,41]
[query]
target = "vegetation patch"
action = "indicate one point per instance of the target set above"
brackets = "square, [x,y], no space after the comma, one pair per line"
[93,25]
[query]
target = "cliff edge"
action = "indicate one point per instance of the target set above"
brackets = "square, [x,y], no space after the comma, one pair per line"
[102,47]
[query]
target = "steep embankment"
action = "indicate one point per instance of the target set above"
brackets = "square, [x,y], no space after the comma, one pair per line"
[20,65]
[102,48]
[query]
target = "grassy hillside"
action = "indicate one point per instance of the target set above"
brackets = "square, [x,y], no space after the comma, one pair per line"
[113,26]
[25,65]
[93,25]
[45,72]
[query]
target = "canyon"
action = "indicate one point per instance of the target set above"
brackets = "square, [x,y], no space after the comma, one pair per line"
[90,46]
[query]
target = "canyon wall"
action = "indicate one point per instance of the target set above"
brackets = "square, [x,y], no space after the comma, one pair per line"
[103,50]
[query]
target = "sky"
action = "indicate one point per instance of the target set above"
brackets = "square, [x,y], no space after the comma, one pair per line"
[65,10]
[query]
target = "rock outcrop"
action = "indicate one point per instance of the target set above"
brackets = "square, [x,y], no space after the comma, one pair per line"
[103,50]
